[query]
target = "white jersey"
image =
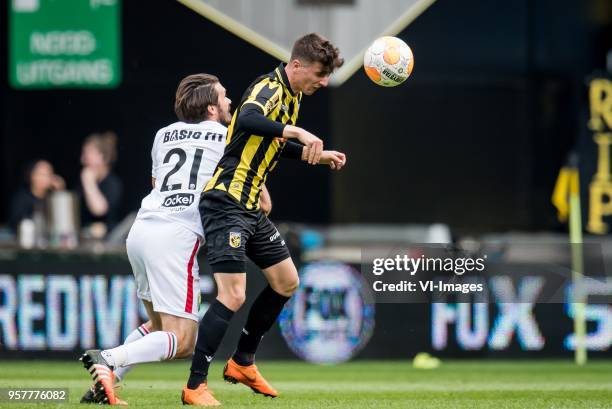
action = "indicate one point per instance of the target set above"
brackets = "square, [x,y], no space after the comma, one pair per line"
[184,159]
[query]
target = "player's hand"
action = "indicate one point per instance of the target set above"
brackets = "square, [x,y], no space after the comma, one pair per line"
[312,145]
[335,160]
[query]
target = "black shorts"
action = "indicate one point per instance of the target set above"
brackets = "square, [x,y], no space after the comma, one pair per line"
[233,233]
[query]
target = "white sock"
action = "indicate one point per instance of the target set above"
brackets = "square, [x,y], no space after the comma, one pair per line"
[156,346]
[135,335]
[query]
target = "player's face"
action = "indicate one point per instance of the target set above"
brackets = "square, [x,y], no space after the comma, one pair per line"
[223,105]
[311,77]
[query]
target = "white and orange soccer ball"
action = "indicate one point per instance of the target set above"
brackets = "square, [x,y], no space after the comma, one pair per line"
[388,61]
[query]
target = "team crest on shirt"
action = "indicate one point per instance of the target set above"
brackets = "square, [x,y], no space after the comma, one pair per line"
[234,239]
[272,102]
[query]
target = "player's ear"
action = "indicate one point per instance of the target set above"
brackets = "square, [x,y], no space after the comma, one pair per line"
[212,110]
[295,64]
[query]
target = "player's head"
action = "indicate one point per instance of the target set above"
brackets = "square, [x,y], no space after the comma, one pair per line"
[313,59]
[201,97]
[99,150]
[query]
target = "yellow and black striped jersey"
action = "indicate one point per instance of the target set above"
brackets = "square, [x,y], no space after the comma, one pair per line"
[248,157]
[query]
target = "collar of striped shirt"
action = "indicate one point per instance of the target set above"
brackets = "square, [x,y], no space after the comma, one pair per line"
[282,76]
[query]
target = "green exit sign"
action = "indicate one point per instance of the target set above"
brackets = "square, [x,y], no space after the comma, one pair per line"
[65,43]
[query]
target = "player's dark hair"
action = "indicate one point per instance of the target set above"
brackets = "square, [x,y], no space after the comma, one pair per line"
[193,96]
[106,143]
[313,48]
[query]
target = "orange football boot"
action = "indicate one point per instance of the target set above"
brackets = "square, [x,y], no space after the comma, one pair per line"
[249,376]
[103,375]
[91,397]
[202,396]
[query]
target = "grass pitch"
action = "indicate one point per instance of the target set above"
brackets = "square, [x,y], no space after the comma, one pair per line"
[362,384]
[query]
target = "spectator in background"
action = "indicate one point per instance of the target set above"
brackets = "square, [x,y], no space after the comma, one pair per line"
[101,190]
[39,180]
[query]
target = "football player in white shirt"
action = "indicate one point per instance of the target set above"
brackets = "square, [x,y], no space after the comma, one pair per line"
[164,240]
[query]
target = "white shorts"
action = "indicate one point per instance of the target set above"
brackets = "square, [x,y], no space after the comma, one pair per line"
[165,266]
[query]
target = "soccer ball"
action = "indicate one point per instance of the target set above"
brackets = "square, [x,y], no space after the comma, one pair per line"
[388,61]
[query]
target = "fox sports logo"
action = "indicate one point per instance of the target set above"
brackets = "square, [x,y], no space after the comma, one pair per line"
[331,316]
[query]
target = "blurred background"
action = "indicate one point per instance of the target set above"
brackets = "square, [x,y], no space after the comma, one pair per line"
[468,150]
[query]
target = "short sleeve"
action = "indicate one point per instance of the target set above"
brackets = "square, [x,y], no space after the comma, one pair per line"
[266,95]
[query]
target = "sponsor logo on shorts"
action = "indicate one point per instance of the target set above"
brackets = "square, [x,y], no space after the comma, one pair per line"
[234,239]
[275,236]
[178,199]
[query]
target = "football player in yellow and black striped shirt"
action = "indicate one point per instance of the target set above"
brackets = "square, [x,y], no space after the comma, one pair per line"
[235,227]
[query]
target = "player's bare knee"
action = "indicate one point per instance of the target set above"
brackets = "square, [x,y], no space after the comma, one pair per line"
[286,287]
[293,285]
[231,289]
[232,297]
[290,287]
[239,299]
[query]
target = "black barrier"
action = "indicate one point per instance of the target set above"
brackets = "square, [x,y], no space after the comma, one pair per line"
[55,305]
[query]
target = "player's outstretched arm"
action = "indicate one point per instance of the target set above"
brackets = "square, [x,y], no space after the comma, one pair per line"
[253,120]
[313,146]
[336,160]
